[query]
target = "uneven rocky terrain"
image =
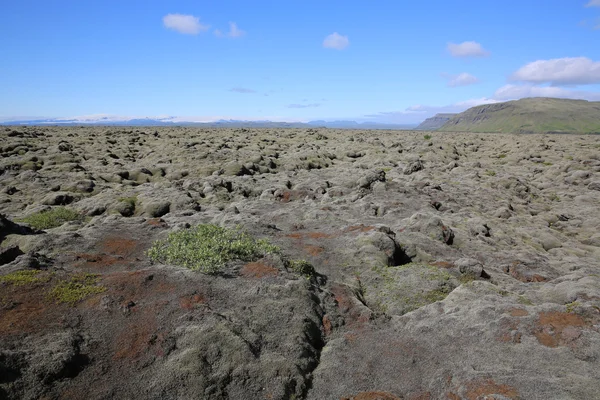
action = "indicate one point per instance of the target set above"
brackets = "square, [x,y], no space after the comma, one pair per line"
[446,265]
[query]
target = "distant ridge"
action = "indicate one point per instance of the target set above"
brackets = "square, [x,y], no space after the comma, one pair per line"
[530,115]
[435,122]
[173,121]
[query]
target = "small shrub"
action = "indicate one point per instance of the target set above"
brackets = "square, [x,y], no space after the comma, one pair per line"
[502,155]
[76,289]
[24,277]
[51,218]
[427,137]
[207,248]
[302,267]
[489,172]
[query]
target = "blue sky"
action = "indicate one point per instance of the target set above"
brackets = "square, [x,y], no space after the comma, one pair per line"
[386,61]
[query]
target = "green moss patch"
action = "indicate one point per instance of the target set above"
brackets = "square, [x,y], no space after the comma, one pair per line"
[208,248]
[51,218]
[76,289]
[132,201]
[24,277]
[402,289]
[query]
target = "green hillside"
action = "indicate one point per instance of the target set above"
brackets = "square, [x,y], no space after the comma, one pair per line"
[532,115]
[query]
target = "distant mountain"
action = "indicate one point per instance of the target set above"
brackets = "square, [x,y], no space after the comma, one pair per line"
[435,122]
[359,125]
[91,121]
[174,121]
[530,115]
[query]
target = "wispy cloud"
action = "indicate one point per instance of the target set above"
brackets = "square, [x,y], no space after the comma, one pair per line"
[463,79]
[593,3]
[242,90]
[336,41]
[185,24]
[234,31]
[593,24]
[418,113]
[296,105]
[452,108]
[467,49]
[560,71]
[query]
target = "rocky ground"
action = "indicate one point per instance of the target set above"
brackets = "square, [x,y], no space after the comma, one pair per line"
[448,266]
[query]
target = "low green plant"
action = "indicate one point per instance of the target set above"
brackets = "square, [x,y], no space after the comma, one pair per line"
[76,289]
[467,278]
[572,306]
[503,155]
[524,300]
[24,277]
[427,137]
[207,248]
[489,172]
[51,218]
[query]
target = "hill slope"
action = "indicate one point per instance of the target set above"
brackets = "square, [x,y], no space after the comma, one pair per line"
[435,122]
[531,115]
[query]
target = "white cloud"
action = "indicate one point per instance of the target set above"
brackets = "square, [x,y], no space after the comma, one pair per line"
[467,49]
[475,102]
[560,71]
[593,3]
[186,24]
[463,79]
[514,92]
[242,90]
[336,41]
[313,105]
[234,31]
